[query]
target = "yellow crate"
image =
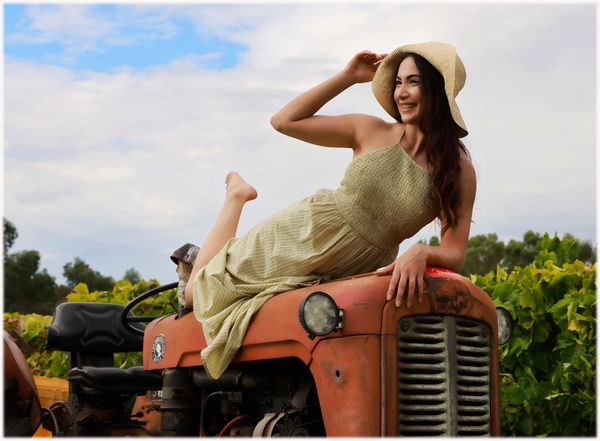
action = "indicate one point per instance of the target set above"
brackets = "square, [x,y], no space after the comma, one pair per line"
[42,433]
[50,390]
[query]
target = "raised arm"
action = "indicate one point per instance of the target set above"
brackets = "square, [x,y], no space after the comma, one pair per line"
[297,119]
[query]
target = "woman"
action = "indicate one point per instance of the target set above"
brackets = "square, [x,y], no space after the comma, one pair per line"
[403,175]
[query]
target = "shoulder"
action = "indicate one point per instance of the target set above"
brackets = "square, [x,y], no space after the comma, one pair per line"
[373,132]
[467,170]
[468,177]
[363,122]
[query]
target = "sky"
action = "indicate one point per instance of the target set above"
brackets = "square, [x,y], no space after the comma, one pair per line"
[122,120]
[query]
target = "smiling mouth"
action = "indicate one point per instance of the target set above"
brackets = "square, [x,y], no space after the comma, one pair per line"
[407,106]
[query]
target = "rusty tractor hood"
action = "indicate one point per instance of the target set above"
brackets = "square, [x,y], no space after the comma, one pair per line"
[276,332]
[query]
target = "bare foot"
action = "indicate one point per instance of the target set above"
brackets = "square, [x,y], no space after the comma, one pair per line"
[238,188]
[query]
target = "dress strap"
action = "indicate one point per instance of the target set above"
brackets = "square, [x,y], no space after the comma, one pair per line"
[401,136]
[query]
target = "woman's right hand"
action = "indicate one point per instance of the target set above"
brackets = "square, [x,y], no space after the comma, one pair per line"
[363,65]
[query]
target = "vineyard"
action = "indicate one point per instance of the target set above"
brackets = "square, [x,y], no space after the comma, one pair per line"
[548,369]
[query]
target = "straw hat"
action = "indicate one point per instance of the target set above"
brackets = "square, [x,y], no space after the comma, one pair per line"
[442,56]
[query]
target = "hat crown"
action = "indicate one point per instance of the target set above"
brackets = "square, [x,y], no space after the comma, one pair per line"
[444,58]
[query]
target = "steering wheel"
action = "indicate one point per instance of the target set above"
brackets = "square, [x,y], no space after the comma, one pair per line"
[129,320]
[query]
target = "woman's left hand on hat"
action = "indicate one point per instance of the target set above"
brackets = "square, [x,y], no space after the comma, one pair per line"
[363,65]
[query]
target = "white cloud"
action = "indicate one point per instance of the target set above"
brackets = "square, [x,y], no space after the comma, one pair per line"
[72,25]
[121,168]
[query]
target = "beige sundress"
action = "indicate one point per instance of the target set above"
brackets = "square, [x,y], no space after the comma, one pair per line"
[383,199]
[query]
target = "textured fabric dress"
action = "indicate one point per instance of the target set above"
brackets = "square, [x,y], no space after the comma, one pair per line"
[383,199]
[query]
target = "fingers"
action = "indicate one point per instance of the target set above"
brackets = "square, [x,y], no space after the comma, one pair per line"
[404,287]
[380,58]
[366,55]
[400,290]
[370,57]
[391,292]
[410,293]
[385,270]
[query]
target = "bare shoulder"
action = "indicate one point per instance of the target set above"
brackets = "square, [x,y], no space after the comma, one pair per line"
[365,123]
[373,133]
[468,178]
[466,168]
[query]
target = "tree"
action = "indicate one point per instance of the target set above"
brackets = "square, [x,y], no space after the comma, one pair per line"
[582,250]
[80,272]
[587,252]
[484,252]
[133,276]
[10,235]
[433,241]
[521,253]
[26,289]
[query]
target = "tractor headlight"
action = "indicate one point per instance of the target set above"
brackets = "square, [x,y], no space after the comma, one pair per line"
[505,325]
[319,314]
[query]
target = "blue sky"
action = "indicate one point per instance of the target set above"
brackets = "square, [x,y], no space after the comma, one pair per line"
[147,41]
[121,121]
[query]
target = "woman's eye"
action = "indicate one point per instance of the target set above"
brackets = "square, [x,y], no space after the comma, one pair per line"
[414,81]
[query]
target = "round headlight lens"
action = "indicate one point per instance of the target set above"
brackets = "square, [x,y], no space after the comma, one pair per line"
[505,325]
[319,314]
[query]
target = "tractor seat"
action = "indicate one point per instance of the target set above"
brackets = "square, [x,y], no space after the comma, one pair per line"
[117,381]
[91,328]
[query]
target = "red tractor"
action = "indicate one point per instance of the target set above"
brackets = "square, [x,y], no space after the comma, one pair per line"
[334,359]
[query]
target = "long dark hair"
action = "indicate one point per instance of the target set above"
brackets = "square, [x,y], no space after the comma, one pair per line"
[441,142]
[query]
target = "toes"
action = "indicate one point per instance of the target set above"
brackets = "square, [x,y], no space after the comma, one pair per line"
[228,177]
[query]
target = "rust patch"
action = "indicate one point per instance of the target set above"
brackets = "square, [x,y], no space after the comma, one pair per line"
[448,296]
[451,304]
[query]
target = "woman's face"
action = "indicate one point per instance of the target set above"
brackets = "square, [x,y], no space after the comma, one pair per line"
[407,93]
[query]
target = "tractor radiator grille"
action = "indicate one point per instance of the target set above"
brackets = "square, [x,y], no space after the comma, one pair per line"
[443,377]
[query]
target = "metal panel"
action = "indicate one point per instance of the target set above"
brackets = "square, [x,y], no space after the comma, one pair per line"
[443,377]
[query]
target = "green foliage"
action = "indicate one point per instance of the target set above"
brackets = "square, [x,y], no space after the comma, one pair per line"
[10,235]
[31,329]
[124,291]
[485,251]
[433,241]
[483,254]
[80,272]
[26,288]
[521,253]
[548,368]
[132,275]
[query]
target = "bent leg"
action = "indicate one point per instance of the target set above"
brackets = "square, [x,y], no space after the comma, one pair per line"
[238,193]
